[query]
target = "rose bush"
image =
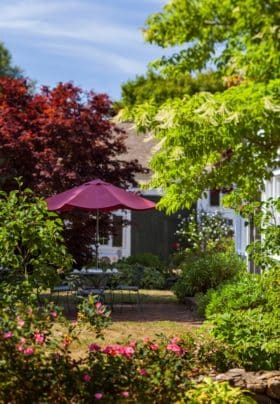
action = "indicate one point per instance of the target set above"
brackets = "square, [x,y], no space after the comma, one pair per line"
[37,366]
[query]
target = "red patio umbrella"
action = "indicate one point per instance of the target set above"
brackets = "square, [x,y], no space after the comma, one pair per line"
[97,195]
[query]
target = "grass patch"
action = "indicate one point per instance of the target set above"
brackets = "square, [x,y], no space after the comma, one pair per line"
[120,331]
[147,296]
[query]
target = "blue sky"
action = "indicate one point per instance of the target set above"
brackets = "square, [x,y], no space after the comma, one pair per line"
[97,44]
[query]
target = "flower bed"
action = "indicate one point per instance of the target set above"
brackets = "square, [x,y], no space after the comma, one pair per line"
[38,367]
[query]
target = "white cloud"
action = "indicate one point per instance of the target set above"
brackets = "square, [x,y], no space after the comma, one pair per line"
[37,18]
[94,31]
[98,42]
[99,57]
[32,8]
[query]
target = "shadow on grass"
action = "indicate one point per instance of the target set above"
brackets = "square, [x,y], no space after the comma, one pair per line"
[155,305]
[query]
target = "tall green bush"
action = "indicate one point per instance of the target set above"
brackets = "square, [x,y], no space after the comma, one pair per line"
[31,242]
[202,272]
[245,315]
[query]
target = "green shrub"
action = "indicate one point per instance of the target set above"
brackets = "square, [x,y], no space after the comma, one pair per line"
[242,294]
[202,301]
[138,275]
[245,315]
[202,272]
[145,259]
[35,365]
[31,242]
[209,391]
[143,270]
[152,279]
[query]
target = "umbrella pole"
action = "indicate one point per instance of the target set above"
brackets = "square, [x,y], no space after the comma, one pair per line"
[97,237]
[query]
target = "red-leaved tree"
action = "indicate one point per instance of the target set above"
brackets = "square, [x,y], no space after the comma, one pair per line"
[59,138]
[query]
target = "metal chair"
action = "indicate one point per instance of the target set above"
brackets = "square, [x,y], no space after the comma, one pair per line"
[87,285]
[129,295]
[63,290]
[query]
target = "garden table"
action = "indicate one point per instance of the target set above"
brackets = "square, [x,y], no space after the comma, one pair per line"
[92,281]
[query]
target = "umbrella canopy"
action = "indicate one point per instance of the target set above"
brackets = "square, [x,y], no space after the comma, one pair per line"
[97,195]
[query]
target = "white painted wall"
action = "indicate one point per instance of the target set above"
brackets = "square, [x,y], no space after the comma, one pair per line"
[239,228]
[241,231]
[272,190]
[116,253]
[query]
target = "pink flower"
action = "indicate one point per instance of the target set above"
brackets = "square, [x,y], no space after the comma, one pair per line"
[98,396]
[53,314]
[94,347]
[125,393]
[8,335]
[146,339]
[154,347]
[114,350]
[19,347]
[175,340]
[101,311]
[133,344]
[128,351]
[66,341]
[86,377]
[143,372]
[39,338]
[110,350]
[28,351]
[98,305]
[174,348]
[20,322]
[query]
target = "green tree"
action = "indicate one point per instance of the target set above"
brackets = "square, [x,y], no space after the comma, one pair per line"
[31,242]
[6,68]
[228,139]
[158,88]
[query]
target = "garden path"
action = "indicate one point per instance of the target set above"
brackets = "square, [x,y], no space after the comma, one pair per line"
[167,311]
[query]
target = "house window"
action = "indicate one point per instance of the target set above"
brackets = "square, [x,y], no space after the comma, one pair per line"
[104,240]
[214,197]
[117,231]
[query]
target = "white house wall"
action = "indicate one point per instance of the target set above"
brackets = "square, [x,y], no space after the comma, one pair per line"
[238,223]
[241,230]
[272,189]
[116,253]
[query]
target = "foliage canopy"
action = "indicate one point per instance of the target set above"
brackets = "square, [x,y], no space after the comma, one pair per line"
[158,88]
[6,68]
[59,138]
[221,140]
